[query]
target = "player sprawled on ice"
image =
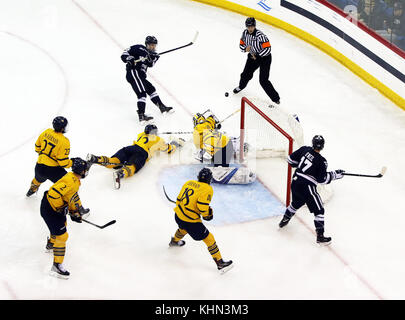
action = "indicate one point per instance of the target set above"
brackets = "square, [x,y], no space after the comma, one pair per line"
[53,150]
[138,59]
[193,202]
[129,160]
[310,170]
[217,149]
[61,199]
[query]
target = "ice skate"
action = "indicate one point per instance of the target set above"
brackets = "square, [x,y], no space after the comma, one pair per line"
[323,241]
[224,266]
[117,176]
[174,243]
[59,271]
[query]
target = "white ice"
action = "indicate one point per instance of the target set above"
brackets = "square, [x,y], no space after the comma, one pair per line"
[63,57]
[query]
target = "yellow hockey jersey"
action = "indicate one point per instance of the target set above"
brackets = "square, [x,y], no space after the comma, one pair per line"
[209,139]
[193,201]
[53,149]
[152,143]
[63,193]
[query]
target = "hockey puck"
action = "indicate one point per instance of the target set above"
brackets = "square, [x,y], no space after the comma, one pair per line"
[226,94]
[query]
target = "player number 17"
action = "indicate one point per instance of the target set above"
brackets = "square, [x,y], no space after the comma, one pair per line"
[306,163]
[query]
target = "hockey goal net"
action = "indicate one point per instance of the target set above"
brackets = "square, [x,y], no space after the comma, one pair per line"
[267,131]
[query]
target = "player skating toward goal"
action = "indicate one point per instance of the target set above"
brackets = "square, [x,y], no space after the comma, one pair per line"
[138,59]
[193,202]
[129,160]
[310,170]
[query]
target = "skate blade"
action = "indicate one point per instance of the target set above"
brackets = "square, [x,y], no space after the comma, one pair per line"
[58,275]
[48,251]
[324,244]
[226,269]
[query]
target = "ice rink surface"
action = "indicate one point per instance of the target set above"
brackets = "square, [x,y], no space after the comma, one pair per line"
[63,58]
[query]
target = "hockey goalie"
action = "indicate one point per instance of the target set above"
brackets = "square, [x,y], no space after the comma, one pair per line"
[218,150]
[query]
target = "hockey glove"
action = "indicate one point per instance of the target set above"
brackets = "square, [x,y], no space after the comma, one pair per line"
[178,143]
[130,62]
[83,211]
[76,217]
[337,174]
[210,215]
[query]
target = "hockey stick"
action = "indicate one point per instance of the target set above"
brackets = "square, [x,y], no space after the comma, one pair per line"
[191,132]
[382,172]
[178,132]
[164,190]
[101,227]
[233,113]
[167,51]
[188,44]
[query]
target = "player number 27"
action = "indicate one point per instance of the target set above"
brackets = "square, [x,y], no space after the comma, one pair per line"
[306,163]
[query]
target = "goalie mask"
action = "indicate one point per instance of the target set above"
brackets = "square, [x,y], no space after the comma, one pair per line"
[198,119]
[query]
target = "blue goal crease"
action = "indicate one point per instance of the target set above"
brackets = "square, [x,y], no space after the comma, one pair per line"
[231,203]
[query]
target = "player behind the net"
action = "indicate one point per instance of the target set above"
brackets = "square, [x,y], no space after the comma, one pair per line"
[61,199]
[138,59]
[129,160]
[53,150]
[311,169]
[192,203]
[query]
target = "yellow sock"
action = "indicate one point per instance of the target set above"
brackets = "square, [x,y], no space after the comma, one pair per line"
[212,247]
[35,185]
[180,233]
[59,248]
[128,170]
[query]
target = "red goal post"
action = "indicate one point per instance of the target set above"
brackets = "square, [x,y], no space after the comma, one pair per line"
[246,103]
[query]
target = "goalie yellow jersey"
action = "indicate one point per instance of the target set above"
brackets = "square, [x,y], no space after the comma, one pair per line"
[63,193]
[193,201]
[198,133]
[53,149]
[152,143]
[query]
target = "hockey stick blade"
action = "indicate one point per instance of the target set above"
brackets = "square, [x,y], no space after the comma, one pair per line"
[164,190]
[100,227]
[380,175]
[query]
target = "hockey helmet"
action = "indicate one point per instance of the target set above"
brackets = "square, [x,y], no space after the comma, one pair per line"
[151,129]
[80,167]
[250,22]
[318,142]
[60,124]
[150,40]
[198,118]
[205,175]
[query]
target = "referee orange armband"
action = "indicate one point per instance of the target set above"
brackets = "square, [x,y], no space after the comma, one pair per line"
[265,44]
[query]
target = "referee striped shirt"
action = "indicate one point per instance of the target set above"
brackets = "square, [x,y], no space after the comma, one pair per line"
[259,43]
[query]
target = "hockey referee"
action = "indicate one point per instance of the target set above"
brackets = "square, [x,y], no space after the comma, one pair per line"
[258,47]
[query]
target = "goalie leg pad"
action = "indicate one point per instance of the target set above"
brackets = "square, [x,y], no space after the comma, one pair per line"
[232,175]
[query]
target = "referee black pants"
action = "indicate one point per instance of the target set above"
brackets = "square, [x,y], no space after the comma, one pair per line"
[251,66]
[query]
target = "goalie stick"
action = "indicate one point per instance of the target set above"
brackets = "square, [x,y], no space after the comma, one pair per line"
[191,132]
[381,174]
